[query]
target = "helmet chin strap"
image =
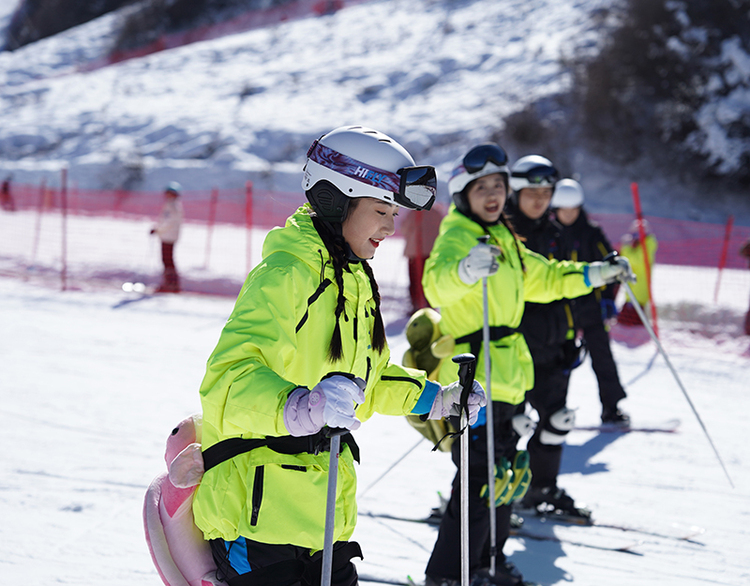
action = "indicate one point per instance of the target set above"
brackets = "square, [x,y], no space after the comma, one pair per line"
[336,229]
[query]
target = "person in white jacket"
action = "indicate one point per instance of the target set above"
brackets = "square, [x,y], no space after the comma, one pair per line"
[167,229]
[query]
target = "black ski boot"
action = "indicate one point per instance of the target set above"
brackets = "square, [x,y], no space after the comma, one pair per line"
[615,417]
[506,574]
[552,501]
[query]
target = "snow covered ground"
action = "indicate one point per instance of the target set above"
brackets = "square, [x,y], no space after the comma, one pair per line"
[93,382]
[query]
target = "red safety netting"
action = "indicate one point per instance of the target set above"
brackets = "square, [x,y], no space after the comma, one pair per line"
[89,236]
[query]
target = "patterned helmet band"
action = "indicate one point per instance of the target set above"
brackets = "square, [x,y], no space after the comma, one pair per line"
[353,168]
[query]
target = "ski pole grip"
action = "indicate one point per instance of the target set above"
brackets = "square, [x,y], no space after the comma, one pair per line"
[610,258]
[466,367]
[330,432]
[483,239]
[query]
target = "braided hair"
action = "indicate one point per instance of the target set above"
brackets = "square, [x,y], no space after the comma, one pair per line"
[505,220]
[340,254]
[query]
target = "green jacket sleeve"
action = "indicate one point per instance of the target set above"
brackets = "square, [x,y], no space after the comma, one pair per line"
[442,285]
[549,280]
[244,387]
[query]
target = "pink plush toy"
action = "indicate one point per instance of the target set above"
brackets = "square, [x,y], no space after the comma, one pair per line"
[181,555]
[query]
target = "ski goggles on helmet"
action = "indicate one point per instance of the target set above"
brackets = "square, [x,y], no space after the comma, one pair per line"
[476,159]
[412,187]
[540,176]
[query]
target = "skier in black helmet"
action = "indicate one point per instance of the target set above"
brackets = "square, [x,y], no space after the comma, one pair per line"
[550,332]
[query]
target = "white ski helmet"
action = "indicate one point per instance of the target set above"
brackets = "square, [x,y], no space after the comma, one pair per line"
[568,194]
[173,187]
[533,171]
[482,160]
[355,161]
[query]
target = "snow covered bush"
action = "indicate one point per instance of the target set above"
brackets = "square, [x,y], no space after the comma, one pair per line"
[38,19]
[673,77]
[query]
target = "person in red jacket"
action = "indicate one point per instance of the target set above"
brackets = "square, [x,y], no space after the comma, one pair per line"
[168,229]
[420,230]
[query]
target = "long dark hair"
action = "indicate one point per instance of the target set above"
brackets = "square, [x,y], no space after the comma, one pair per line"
[340,258]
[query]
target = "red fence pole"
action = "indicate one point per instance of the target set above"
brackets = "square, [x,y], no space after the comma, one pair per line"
[723,257]
[249,223]
[642,237]
[211,221]
[64,212]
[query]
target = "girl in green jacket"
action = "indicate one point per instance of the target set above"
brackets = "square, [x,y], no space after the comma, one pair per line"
[305,349]
[452,281]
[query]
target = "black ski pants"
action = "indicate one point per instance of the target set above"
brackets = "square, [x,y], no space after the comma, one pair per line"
[250,563]
[545,447]
[445,561]
[603,363]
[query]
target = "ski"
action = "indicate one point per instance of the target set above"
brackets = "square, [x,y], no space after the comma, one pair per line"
[527,534]
[516,532]
[669,426]
[367,579]
[561,519]
[569,520]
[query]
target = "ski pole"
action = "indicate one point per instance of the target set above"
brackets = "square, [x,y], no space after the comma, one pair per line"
[651,333]
[490,420]
[333,472]
[466,365]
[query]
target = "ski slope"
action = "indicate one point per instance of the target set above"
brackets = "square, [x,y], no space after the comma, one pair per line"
[437,75]
[94,381]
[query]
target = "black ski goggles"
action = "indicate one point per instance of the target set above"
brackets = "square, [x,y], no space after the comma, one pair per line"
[540,176]
[476,159]
[417,188]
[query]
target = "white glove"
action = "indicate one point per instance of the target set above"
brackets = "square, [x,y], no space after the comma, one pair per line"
[331,403]
[448,401]
[604,273]
[479,263]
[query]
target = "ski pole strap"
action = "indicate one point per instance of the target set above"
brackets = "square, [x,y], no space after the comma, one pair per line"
[287,444]
[475,339]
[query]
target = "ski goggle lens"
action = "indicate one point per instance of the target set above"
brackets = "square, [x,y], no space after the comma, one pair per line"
[543,175]
[479,156]
[418,187]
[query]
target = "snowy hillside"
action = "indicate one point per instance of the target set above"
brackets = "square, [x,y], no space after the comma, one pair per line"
[438,76]
[253,102]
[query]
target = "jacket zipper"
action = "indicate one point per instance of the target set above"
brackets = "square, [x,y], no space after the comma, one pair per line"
[257,494]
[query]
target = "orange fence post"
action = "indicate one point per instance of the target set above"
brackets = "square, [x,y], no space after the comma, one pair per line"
[642,237]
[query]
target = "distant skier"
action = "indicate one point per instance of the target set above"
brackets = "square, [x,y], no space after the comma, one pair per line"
[745,251]
[550,332]
[585,240]
[630,247]
[420,231]
[6,198]
[453,278]
[305,349]
[168,229]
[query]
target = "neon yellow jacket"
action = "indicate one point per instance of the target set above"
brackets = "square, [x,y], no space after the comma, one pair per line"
[276,340]
[461,305]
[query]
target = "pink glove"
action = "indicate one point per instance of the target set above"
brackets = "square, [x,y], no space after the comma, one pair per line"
[448,401]
[331,402]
